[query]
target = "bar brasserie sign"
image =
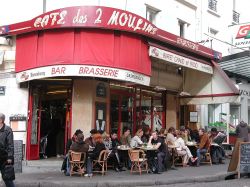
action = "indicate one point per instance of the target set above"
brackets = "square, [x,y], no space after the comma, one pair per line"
[83,71]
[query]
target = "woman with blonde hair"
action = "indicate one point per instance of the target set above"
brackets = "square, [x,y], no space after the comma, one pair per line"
[183,150]
[99,146]
[136,140]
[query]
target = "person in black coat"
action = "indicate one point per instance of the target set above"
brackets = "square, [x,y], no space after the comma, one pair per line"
[6,148]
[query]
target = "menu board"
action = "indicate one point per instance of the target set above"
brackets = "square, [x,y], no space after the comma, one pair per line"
[18,155]
[244,162]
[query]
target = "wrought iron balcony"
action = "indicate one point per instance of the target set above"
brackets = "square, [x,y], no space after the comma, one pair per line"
[212,5]
[236,17]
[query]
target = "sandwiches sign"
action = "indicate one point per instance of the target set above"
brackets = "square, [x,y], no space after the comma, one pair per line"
[241,36]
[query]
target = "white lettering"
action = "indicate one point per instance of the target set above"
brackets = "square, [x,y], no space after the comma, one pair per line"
[99,13]
[113,19]
[61,21]
[131,21]
[37,22]
[45,21]
[123,22]
[139,22]
[53,16]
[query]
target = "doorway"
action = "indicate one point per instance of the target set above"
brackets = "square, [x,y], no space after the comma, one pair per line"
[122,111]
[49,122]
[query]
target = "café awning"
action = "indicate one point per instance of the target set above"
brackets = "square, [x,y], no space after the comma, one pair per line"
[202,88]
[204,82]
[237,65]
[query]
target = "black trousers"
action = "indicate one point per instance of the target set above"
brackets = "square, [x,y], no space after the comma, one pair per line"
[217,154]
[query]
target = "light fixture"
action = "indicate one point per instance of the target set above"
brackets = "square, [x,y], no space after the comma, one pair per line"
[159,88]
[184,94]
[238,81]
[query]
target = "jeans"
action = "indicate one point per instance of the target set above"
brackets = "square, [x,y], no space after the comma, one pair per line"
[161,157]
[199,153]
[9,183]
[89,166]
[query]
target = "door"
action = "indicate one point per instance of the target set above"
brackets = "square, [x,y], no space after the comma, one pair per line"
[122,112]
[33,133]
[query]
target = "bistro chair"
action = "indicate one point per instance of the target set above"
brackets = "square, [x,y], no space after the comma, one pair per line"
[138,160]
[207,159]
[100,165]
[178,158]
[76,160]
[175,156]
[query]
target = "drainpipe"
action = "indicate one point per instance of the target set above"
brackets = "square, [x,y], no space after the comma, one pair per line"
[44,6]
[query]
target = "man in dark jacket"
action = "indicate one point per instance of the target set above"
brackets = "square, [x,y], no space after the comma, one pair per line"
[79,145]
[6,147]
[242,131]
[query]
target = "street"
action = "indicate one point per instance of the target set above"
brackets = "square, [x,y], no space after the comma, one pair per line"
[228,183]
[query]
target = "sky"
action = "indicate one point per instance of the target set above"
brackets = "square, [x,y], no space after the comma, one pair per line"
[28,9]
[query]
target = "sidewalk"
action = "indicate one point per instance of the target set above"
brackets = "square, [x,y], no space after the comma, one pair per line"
[48,175]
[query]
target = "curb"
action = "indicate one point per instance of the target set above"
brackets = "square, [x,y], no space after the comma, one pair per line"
[208,178]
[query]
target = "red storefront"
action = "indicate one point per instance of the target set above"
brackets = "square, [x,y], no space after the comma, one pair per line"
[99,67]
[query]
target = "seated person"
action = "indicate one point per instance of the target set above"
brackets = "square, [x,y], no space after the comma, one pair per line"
[170,139]
[162,133]
[185,134]
[146,134]
[159,144]
[217,152]
[114,156]
[89,140]
[194,134]
[94,155]
[79,145]
[107,141]
[68,144]
[183,150]
[203,145]
[126,137]
[136,140]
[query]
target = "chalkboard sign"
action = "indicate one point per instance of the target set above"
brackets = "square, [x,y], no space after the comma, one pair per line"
[18,155]
[244,158]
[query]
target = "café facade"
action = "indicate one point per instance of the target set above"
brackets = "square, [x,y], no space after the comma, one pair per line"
[99,67]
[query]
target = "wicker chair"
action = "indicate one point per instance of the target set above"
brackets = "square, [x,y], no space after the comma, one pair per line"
[101,163]
[139,162]
[77,160]
[207,159]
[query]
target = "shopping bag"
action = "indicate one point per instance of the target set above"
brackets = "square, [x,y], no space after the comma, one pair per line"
[8,172]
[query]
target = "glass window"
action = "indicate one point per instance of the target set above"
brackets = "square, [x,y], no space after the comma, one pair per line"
[151,14]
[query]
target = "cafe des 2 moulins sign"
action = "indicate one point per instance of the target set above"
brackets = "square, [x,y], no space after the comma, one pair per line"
[104,18]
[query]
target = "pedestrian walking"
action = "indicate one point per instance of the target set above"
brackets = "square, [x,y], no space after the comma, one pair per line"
[242,131]
[6,153]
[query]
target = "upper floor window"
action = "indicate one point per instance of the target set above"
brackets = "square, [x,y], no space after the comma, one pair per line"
[212,5]
[151,14]
[182,28]
[213,32]
[236,17]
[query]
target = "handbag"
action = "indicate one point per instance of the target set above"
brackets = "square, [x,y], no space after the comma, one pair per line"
[8,172]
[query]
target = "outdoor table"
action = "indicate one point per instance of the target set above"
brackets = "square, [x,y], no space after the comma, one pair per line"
[148,148]
[151,154]
[124,154]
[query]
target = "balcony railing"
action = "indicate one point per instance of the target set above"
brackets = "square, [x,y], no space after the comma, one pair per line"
[212,5]
[236,17]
